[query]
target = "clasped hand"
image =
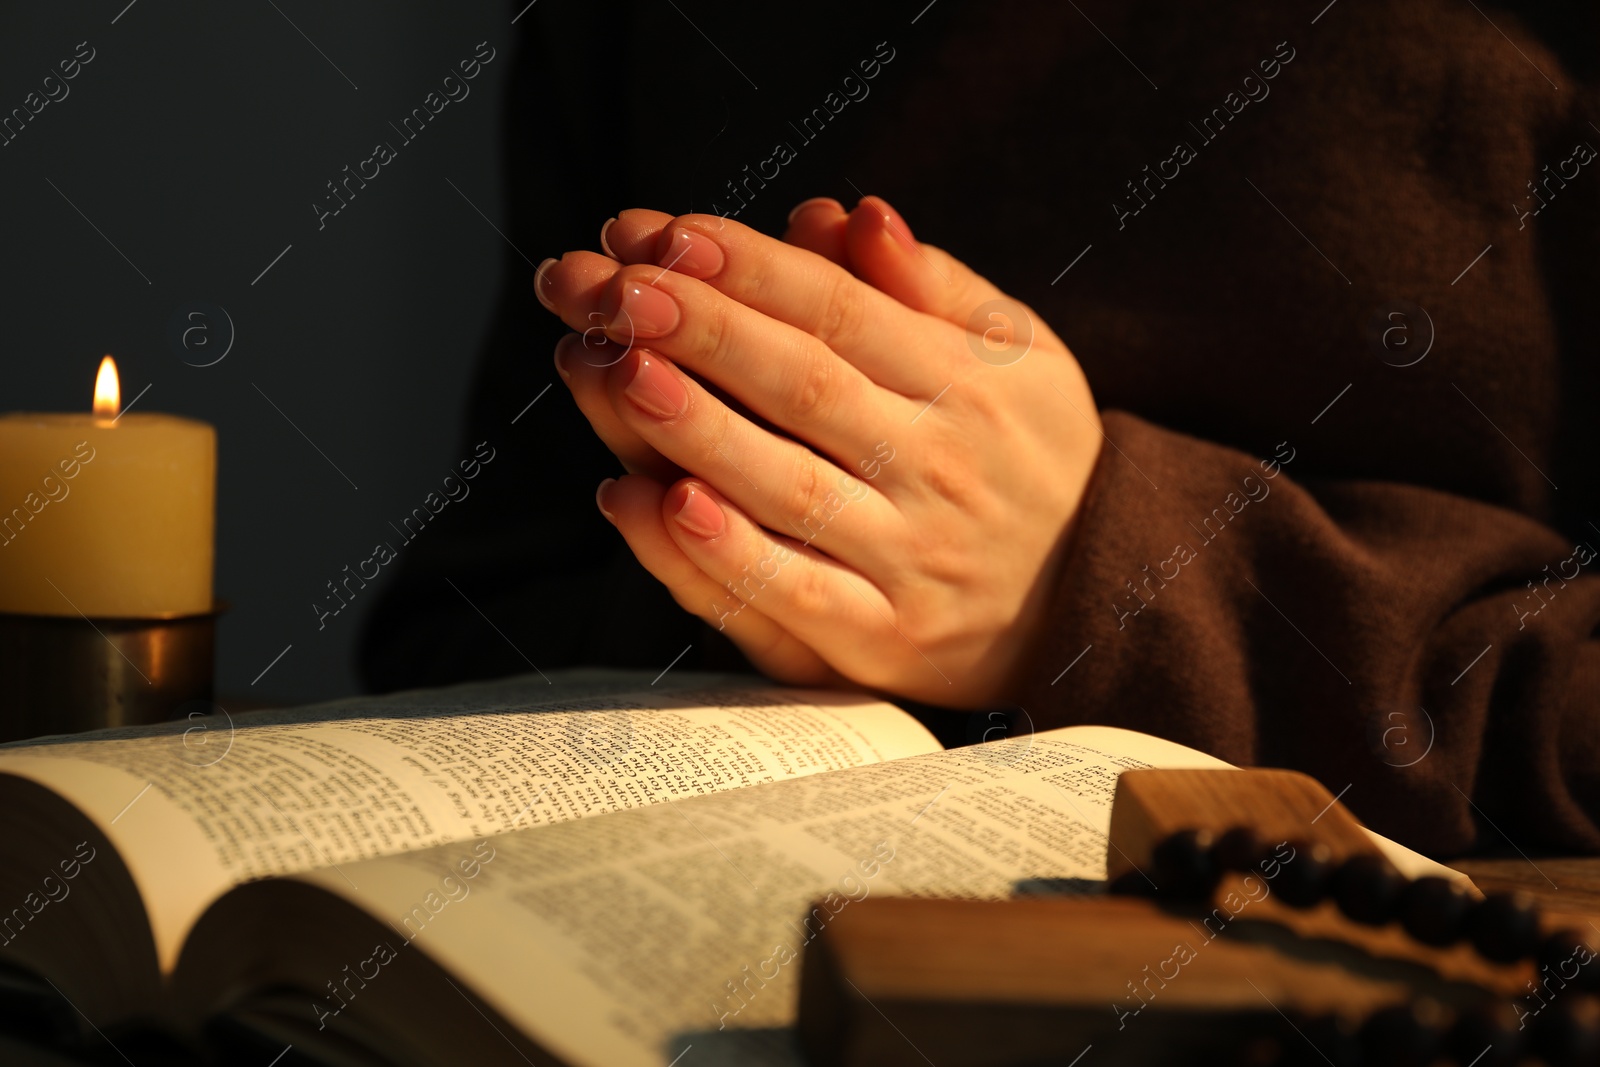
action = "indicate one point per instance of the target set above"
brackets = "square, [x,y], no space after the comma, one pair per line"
[845,449]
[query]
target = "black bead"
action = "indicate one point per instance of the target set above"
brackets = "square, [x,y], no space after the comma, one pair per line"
[1406,1035]
[1182,865]
[1240,849]
[1368,888]
[1504,927]
[1567,1032]
[1569,955]
[1303,881]
[1487,1035]
[1433,909]
[1130,884]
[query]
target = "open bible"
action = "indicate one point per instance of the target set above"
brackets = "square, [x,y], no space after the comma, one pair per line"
[594,871]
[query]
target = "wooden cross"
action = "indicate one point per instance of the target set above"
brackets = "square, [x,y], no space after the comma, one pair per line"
[1131,980]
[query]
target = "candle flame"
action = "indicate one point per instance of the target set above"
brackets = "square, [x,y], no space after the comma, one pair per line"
[107,390]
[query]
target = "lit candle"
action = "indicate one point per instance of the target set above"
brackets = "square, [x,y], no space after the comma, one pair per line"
[108,515]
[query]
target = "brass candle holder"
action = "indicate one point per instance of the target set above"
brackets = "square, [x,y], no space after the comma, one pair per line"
[65,673]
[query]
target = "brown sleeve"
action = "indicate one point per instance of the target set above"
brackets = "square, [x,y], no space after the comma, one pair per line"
[1435,654]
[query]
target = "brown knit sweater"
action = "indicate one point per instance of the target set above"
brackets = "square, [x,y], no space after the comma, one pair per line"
[1345,351]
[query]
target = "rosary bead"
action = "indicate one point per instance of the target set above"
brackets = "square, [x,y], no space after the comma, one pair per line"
[1303,881]
[1433,909]
[1368,889]
[1487,1035]
[1240,849]
[1406,1035]
[1182,865]
[1504,927]
[1567,1033]
[1569,954]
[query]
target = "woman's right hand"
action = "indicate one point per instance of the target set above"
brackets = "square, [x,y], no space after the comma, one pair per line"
[862,241]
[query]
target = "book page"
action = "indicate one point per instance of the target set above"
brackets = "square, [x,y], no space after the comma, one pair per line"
[627,939]
[325,787]
[632,938]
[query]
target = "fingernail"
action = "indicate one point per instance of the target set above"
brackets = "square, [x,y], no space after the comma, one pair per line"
[600,500]
[693,254]
[700,515]
[806,205]
[891,219]
[644,311]
[561,352]
[541,285]
[605,247]
[655,388]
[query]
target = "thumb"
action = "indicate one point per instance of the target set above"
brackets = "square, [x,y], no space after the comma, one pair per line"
[886,256]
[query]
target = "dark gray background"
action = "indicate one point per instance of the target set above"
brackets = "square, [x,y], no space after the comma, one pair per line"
[197,140]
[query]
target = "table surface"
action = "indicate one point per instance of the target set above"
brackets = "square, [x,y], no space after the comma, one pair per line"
[1560,884]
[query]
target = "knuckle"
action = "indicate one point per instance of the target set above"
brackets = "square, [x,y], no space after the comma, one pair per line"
[766,642]
[711,336]
[815,395]
[944,563]
[752,283]
[985,406]
[716,434]
[808,590]
[684,594]
[804,498]
[948,486]
[685,581]
[843,309]
[701,598]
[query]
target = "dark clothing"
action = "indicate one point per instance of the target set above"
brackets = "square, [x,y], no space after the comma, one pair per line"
[1316,241]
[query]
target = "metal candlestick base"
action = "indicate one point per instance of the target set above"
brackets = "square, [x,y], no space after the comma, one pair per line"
[65,674]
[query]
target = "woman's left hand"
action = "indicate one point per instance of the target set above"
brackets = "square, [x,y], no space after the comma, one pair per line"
[888,496]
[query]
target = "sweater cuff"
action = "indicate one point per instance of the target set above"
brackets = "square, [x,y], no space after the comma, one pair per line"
[1129,634]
